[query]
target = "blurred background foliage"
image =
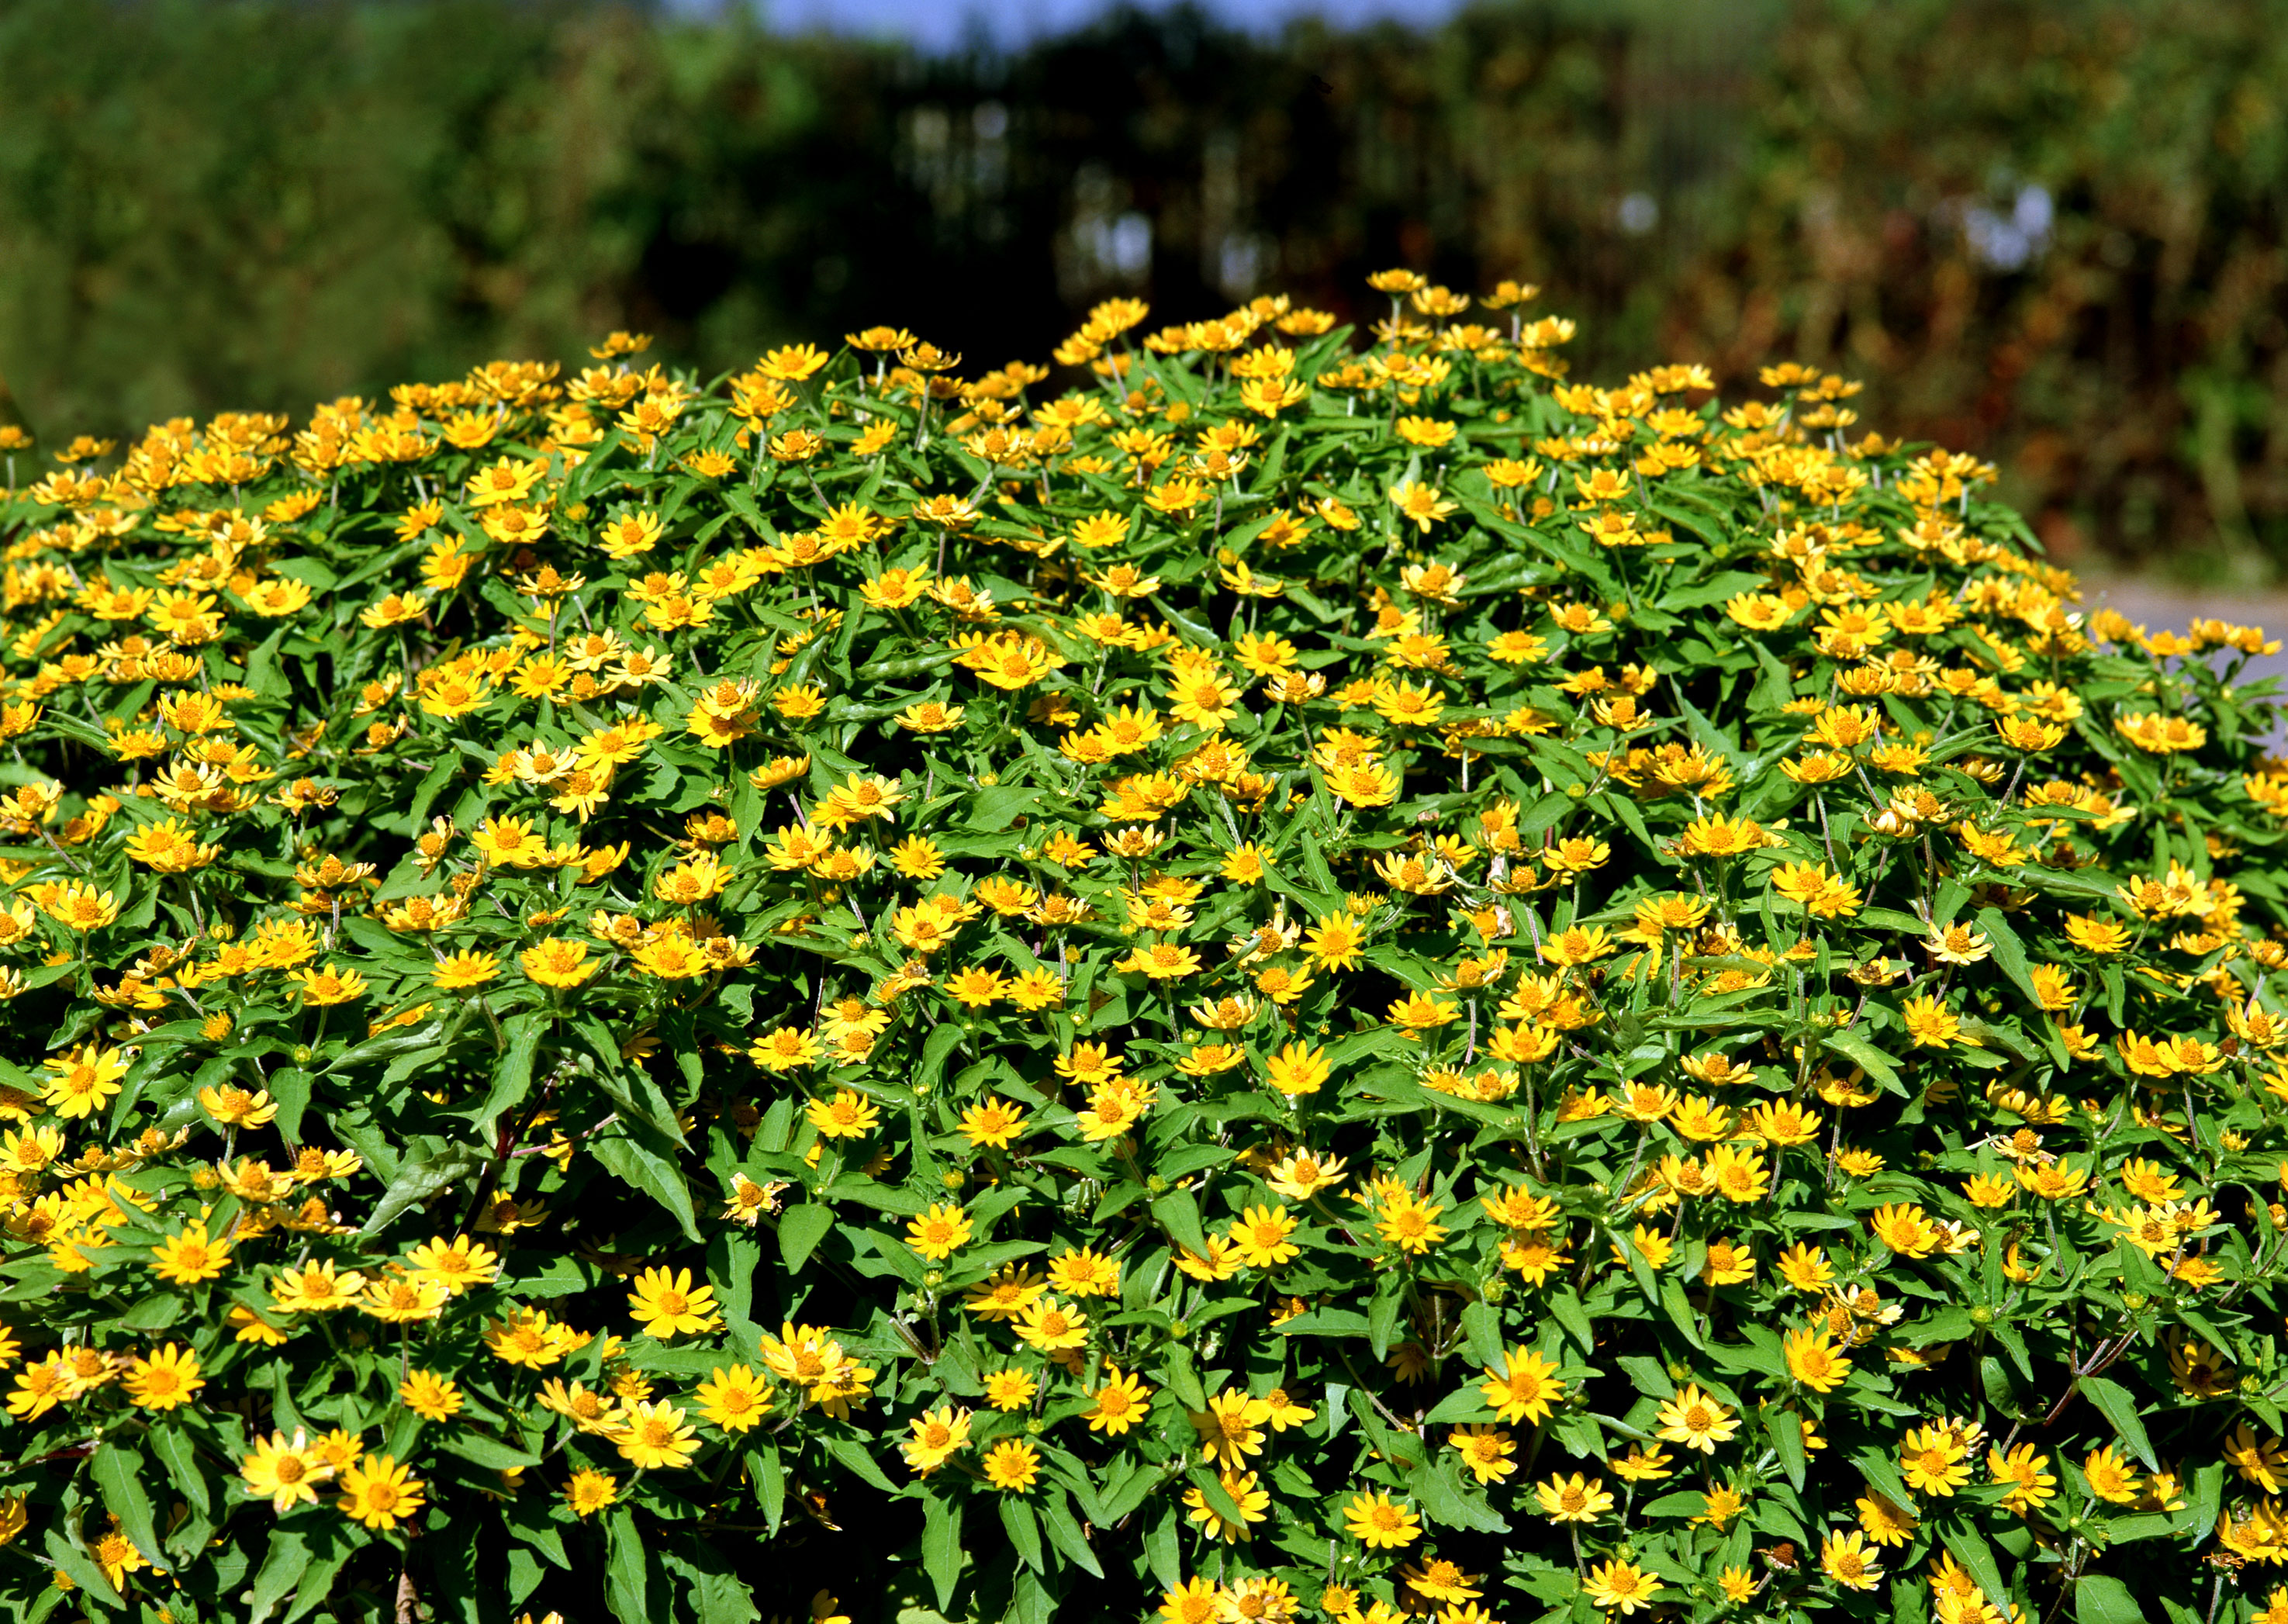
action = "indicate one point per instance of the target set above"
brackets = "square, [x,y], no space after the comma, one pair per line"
[2047,231]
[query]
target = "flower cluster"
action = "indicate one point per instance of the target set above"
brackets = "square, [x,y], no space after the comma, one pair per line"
[1298,979]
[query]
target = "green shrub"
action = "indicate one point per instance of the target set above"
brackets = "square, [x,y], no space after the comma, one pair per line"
[1300,981]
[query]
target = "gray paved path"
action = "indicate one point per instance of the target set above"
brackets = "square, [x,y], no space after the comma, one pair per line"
[2157,607]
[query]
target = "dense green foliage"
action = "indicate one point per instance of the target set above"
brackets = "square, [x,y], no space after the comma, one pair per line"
[1302,980]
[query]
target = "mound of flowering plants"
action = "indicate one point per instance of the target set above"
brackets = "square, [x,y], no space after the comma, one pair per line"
[1280,975]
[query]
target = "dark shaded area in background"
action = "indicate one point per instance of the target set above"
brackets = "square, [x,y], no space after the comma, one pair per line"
[2049,230]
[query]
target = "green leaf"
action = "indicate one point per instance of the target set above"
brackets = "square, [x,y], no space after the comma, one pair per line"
[1876,1465]
[1684,1502]
[316,1587]
[630,1088]
[1024,1531]
[479,1449]
[2150,1525]
[112,1469]
[2100,1598]
[942,1545]
[627,1574]
[994,810]
[1163,1552]
[651,1172]
[1030,1600]
[1066,1535]
[854,1454]
[1996,1382]
[433,785]
[800,1229]
[1651,1377]
[1715,589]
[1180,1214]
[2202,1504]
[716,1593]
[1191,1159]
[1465,1403]
[1439,1488]
[1872,1060]
[174,1449]
[2012,1339]
[1383,1313]
[1971,1549]
[1183,1381]
[2009,952]
[290,1086]
[770,1482]
[1219,1499]
[282,1569]
[1785,1430]
[1952,1323]
[154,1312]
[1760,1353]
[419,1178]
[1121,1495]
[1773,688]
[1678,1309]
[941,1041]
[1565,1308]
[1326,1322]
[2115,1402]
[82,1569]
[1481,1325]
